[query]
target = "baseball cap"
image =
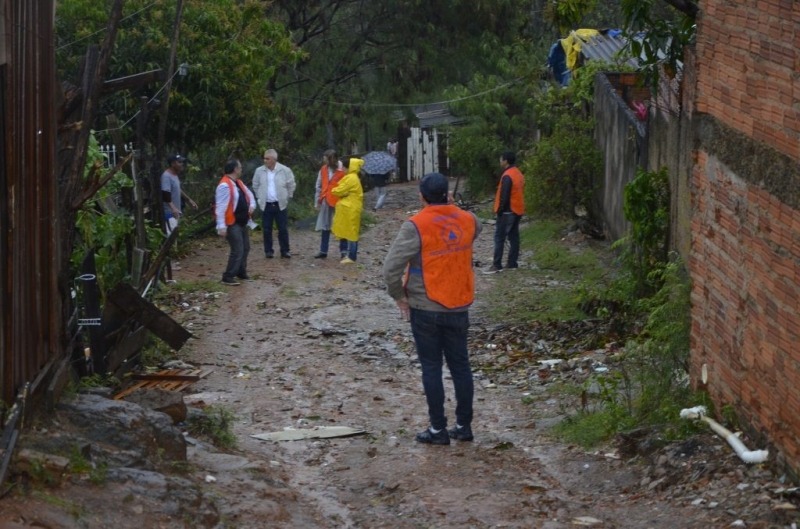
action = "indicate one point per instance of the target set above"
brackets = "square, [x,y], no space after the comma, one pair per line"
[176,158]
[433,187]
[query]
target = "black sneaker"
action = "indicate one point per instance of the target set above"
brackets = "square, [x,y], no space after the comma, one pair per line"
[428,437]
[461,433]
[321,255]
[244,278]
[286,255]
[230,282]
[269,255]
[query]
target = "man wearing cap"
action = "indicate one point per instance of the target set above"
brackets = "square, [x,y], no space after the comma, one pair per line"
[171,192]
[509,206]
[428,272]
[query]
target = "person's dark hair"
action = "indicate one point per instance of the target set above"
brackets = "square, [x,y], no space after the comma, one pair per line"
[346,162]
[230,165]
[510,157]
[433,188]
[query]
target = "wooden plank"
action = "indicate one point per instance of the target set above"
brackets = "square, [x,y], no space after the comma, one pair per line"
[137,268]
[127,347]
[162,254]
[7,455]
[168,378]
[127,391]
[58,384]
[128,301]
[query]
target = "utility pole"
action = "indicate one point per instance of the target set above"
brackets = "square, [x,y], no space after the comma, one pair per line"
[164,111]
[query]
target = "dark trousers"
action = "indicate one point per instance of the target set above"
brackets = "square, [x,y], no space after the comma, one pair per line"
[274,215]
[325,241]
[443,335]
[239,241]
[507,227]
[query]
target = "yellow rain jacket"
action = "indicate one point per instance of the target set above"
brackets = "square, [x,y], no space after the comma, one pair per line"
[347,219]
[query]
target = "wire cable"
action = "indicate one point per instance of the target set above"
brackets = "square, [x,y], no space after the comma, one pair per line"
[411,105]
[104,29]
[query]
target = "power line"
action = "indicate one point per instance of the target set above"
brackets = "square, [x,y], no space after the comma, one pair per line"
[166,83]
[395,105]
[104,29]
[341,102]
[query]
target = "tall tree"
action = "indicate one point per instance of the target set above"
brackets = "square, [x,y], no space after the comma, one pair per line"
[232,51]
[366,59]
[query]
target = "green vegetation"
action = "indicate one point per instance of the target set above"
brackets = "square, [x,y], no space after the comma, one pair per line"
[97,380]
[78,464]
[156,353]
[550,291]
[649,385]
[216,424]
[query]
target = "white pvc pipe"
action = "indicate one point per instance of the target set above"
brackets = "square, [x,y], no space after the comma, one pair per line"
[748,456]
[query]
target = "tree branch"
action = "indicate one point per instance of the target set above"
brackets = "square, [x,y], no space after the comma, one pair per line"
[688,7]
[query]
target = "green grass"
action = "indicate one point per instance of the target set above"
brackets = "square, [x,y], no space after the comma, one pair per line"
[215,424]
[587,429]
[551,289]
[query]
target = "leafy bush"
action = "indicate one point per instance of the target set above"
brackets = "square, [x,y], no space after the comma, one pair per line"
[563,168]
[646,207]
[107,229]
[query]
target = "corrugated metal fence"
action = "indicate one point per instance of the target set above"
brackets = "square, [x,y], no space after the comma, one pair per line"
[31,326]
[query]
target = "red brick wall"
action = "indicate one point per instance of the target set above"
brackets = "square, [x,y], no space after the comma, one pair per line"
[745,244]
[748,68]
[746,301]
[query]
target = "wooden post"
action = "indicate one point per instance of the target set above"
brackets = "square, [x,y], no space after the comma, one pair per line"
[162,123]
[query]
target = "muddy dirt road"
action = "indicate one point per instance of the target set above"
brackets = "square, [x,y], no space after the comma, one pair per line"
[316,343]
[312,343]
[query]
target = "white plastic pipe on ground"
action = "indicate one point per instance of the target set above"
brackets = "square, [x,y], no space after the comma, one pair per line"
[748,456]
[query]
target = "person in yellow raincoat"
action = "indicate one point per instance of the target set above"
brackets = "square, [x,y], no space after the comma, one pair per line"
[347,220]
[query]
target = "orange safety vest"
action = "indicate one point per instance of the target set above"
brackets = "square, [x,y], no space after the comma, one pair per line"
[446,234]
[230,218]
[517,191]
[328,184]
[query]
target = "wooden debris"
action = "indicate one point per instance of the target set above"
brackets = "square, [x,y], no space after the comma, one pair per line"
[169,379]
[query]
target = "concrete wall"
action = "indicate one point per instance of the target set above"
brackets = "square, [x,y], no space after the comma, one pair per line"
[670,144]
[744,257]
[621,136]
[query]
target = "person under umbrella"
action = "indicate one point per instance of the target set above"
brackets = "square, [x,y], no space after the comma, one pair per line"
[379,166]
